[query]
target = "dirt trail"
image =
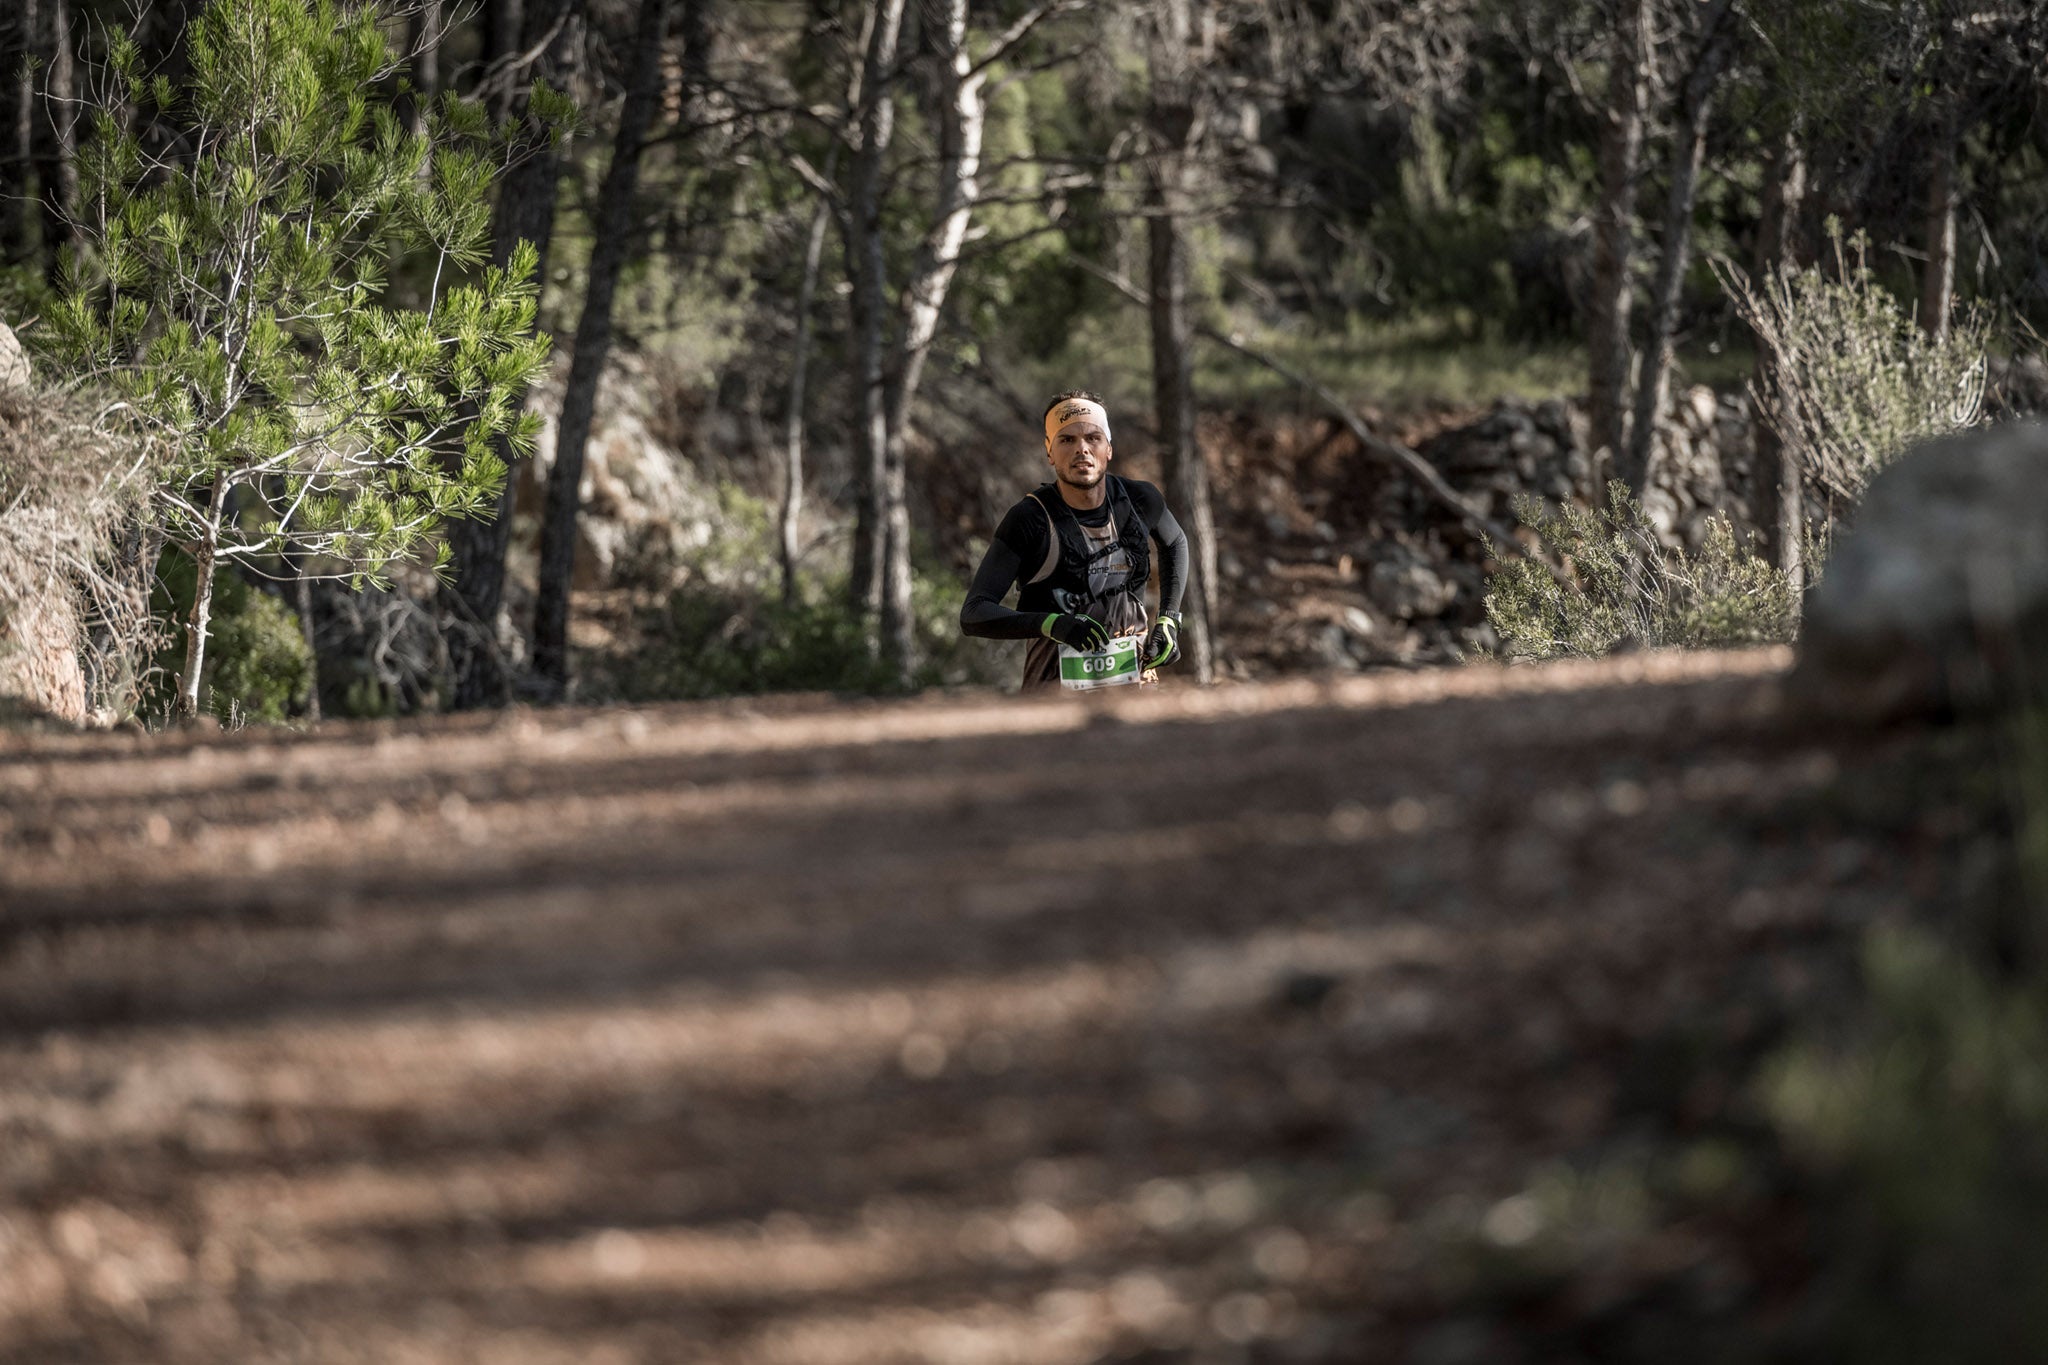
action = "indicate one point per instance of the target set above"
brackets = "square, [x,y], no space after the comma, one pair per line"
[949,1030]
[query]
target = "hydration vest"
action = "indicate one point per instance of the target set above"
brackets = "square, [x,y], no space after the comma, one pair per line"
[1061,582]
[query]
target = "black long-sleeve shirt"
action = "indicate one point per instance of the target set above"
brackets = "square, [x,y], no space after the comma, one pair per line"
[1023,538]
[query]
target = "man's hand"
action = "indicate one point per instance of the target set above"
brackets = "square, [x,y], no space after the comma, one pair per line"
[1162,645]
[1084,633]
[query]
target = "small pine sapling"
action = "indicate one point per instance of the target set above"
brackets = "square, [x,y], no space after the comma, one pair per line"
[232,289]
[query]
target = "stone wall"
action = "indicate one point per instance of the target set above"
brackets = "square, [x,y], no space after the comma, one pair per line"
[1706,449]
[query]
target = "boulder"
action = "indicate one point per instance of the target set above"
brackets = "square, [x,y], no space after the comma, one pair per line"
[1937,600]
[1408,587]
[14,366]
[39,671]
[645,513]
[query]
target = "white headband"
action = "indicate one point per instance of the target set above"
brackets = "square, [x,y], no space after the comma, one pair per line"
[1075,410]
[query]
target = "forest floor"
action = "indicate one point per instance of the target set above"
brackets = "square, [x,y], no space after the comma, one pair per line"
[1259,1023]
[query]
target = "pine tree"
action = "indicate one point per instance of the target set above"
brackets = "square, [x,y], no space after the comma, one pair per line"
[236,298]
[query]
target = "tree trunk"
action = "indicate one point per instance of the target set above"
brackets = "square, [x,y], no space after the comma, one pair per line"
[525,211]
[1688,147]
[865,267]
[1938,283]
[814,255]
[1621,145]
[612,236]
[303,592]
[793,418]
[959,117]
[1173,402]
[17,210]
[423,42]
[694,35]
[56,129]
[507,33]
[195,632]
[159,36]
[1172,118]
[1781,495]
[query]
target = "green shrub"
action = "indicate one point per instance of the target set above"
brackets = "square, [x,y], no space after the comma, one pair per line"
[1852,380]
[1936,1117]
[1921,1122]
[1632,588]
[714,642]
[262,668]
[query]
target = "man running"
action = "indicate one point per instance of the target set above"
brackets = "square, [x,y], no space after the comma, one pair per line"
[1078,548]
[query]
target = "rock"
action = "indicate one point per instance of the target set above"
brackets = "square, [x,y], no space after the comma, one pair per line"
[1406,587]
[1704,406]
[645,510]
[1480,639]
[1704,448]
[39,672]
[1660,506]
[15,371]
[1937,600]
[1330,647]
[40,676]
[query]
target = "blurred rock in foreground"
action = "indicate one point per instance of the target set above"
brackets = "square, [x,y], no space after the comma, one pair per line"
[1937,601]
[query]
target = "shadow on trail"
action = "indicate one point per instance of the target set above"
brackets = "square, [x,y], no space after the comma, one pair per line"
[1095,1032]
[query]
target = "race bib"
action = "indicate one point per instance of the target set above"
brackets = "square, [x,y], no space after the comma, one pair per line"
[1112,667]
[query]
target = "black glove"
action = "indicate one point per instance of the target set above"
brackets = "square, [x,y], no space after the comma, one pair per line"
[1084,633]
[1162,645]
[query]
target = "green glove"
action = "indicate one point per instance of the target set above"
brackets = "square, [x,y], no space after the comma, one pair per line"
[1162,645]
[1084,633]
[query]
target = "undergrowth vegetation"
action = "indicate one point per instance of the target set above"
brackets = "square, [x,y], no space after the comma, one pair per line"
[704,642]
[1627,586]
[73,477]
[719,626]
[1853,379]
[1922,1123]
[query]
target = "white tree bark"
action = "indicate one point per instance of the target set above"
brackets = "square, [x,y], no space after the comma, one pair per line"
[961,115]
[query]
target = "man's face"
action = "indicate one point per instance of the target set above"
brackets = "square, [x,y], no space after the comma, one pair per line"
[1079,452]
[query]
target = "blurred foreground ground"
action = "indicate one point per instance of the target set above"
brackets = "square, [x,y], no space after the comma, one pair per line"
[1257,1024]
